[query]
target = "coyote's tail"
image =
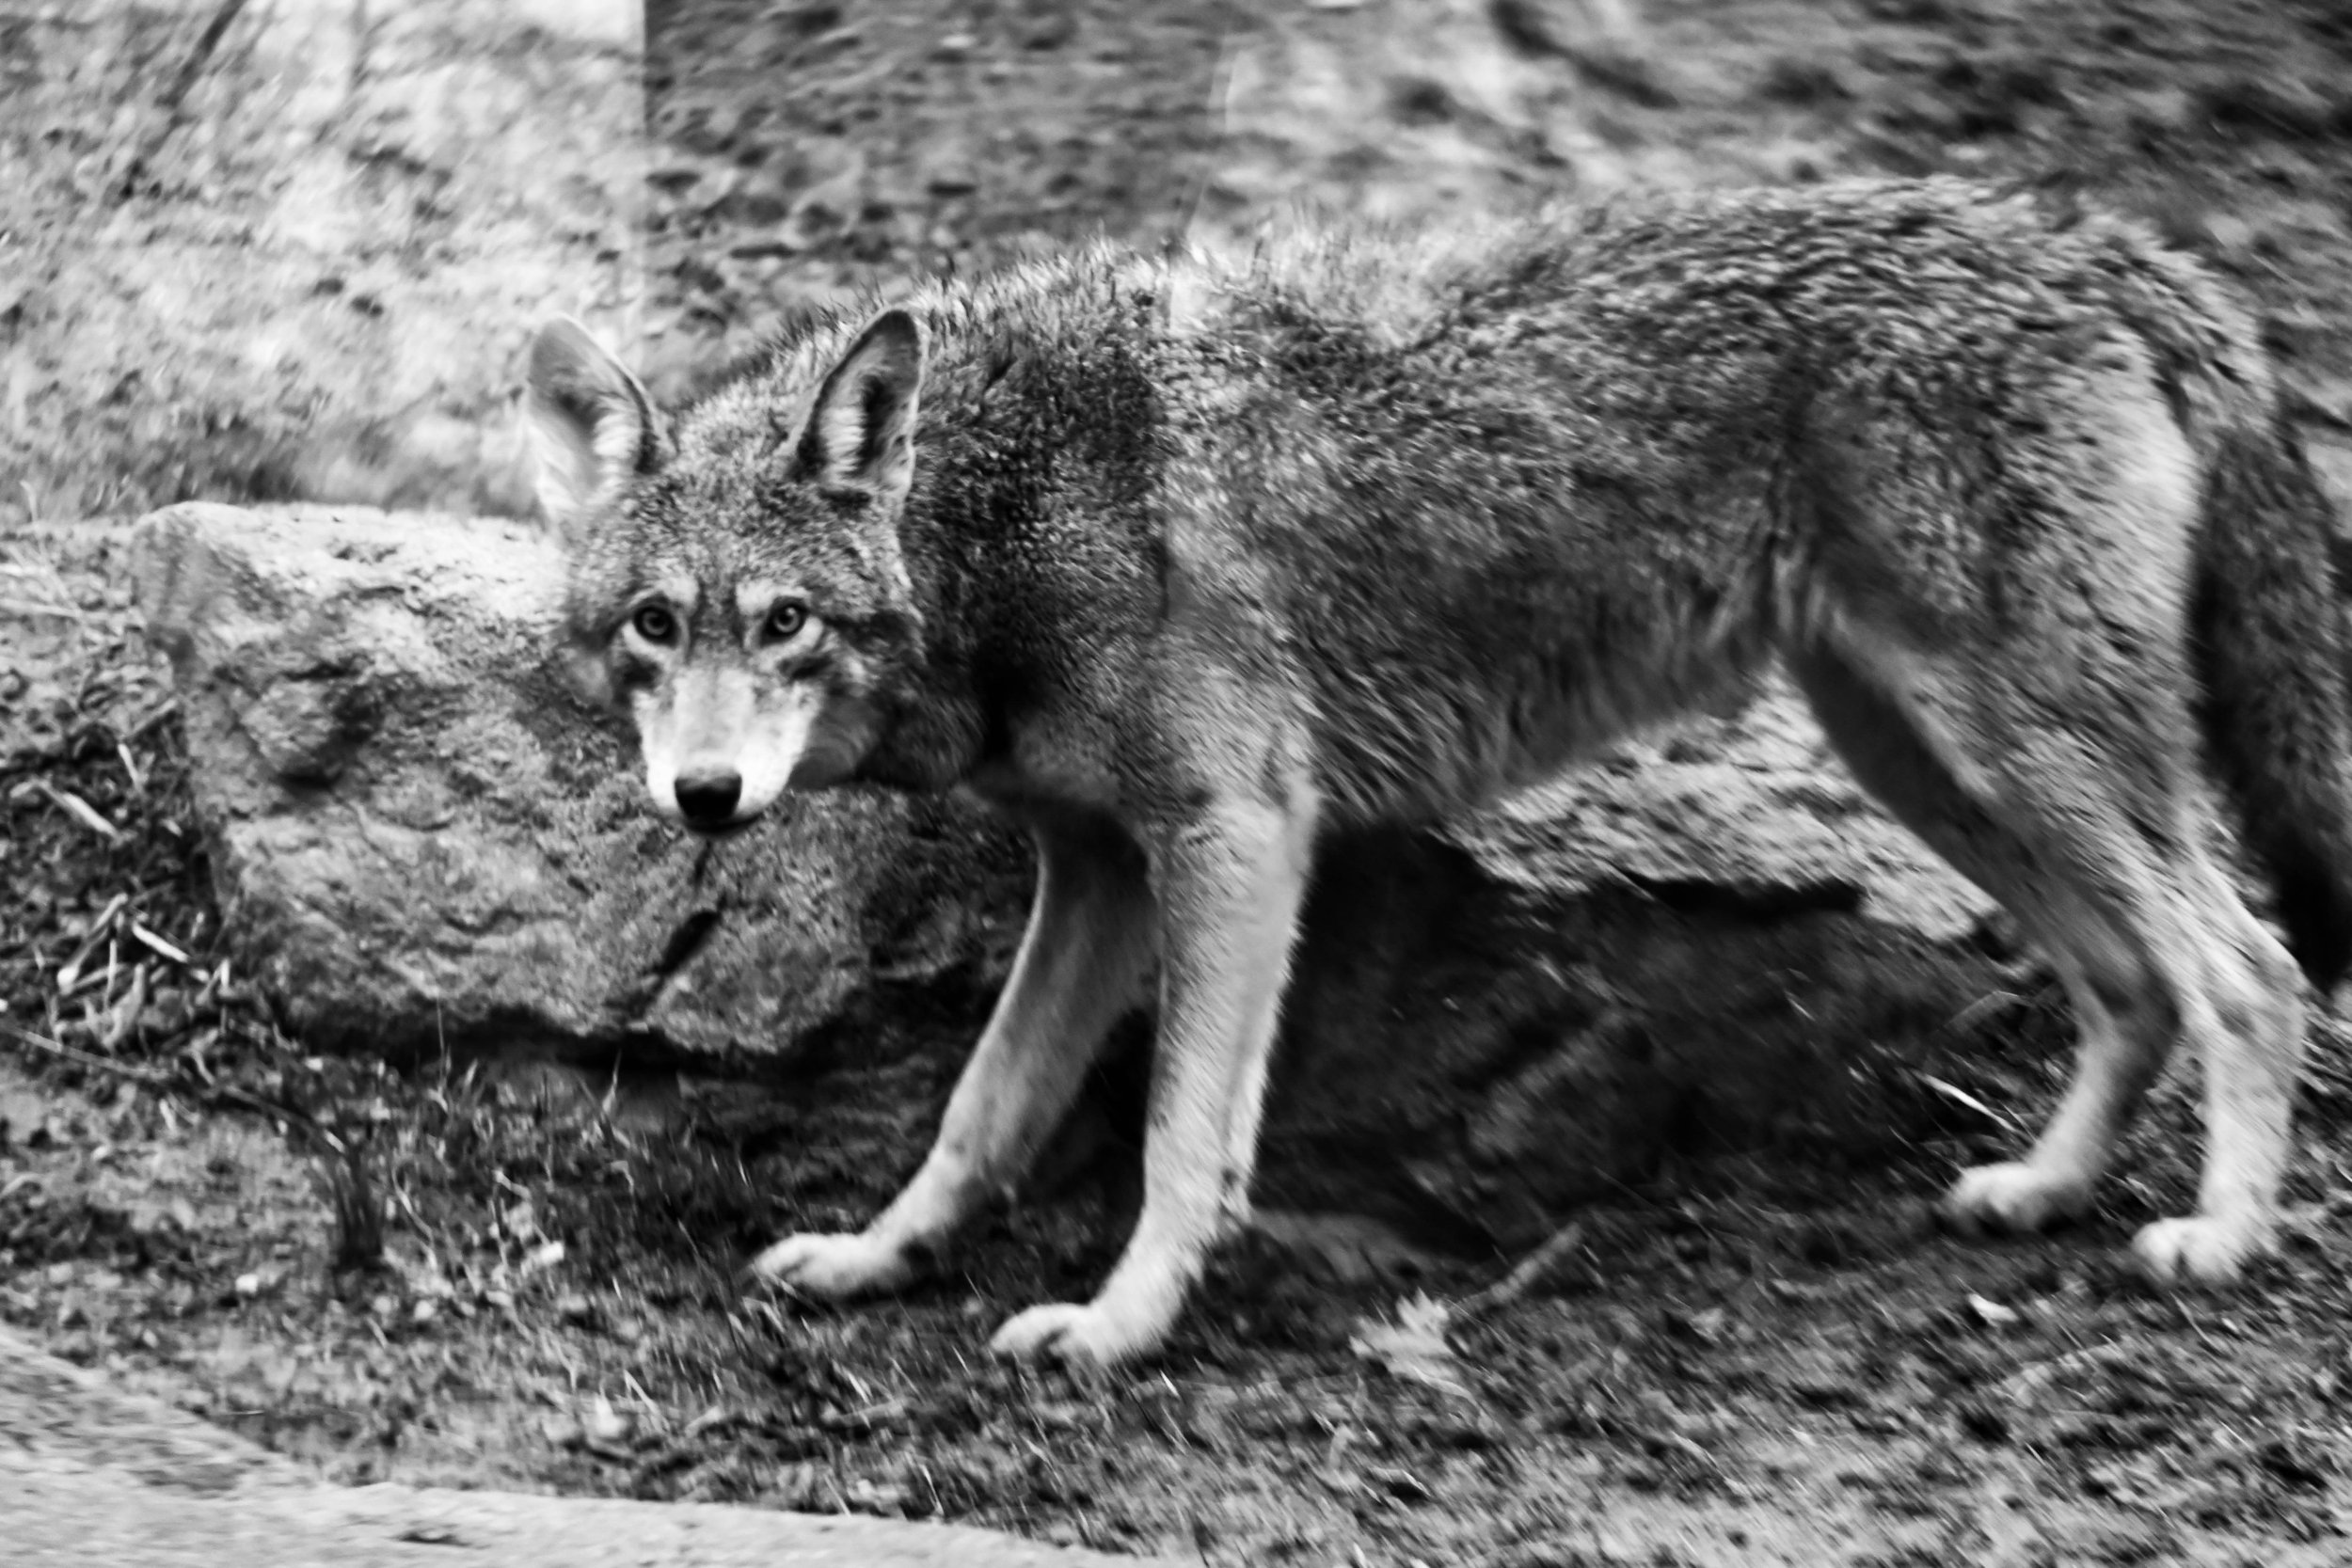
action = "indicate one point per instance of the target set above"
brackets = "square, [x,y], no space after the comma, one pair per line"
[2271,638]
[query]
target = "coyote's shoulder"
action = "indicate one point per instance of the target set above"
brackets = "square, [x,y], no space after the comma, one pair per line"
[1186,560]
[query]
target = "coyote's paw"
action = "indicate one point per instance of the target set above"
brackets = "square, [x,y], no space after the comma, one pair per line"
[834,1267]
[2013,1197]
[2200,1250]
[1083,1337]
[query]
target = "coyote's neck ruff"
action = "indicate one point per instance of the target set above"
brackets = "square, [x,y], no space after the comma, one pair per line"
[1182,561]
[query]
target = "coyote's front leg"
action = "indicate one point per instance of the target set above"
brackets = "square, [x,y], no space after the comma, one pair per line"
[1229,888]
[1082,963]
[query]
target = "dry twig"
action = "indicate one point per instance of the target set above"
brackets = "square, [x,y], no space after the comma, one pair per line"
[1530,1270]
[216,1094]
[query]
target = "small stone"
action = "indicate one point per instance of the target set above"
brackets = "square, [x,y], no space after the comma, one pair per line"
[604,1424]
[1992,1314]
[867,1496]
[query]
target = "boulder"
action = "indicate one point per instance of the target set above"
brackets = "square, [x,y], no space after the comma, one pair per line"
[423,841]
[1715,941]
[1480,1036]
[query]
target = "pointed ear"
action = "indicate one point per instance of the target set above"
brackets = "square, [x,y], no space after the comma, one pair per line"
[591,424]
[861,429]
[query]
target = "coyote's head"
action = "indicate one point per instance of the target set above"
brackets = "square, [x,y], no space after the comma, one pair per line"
[737,582]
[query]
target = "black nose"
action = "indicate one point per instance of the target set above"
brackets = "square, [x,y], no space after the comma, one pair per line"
[709,798]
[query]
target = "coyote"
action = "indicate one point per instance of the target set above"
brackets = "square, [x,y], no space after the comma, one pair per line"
[1183,561]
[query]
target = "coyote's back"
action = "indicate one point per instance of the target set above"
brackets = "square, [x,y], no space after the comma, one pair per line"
[1182,562]
[1588,474]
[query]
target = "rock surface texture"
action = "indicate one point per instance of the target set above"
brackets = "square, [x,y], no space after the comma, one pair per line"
[421,838]
[90,1474]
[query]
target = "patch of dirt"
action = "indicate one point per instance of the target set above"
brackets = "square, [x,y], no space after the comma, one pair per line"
[1756,1356]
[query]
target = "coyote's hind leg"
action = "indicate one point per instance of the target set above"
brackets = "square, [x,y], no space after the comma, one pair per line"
[2083,830]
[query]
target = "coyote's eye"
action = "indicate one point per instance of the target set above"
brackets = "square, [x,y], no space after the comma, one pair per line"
[786,620]
[655,624]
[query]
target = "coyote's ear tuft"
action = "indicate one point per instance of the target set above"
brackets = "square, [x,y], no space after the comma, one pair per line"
[591,424]
[861,429]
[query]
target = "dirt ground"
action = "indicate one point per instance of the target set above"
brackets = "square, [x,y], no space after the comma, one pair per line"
[1762,1355]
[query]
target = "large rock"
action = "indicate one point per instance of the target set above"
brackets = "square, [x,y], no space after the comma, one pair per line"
[420,839]
[423,840]
[1481,1036]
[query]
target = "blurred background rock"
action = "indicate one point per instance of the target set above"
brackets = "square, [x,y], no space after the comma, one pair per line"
[291,251]
[294,249]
